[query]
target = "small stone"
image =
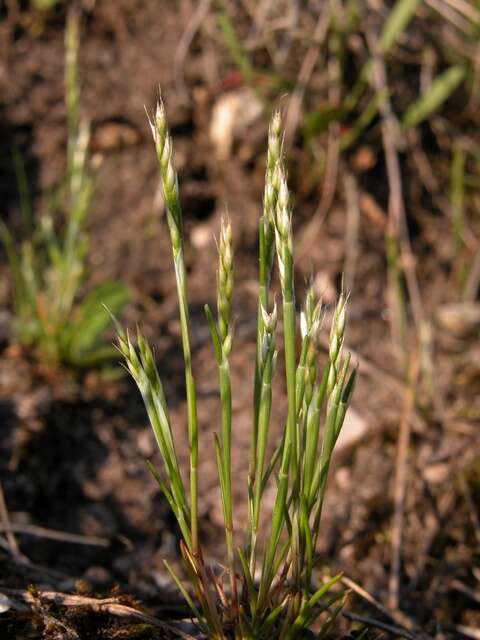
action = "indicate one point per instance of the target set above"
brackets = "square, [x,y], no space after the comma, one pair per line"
[354,429]
[113,135]
[145,444]
[5,603]
[201,236]
[232,115]
[436,473]
[324,287]
[364,159]
[343,478]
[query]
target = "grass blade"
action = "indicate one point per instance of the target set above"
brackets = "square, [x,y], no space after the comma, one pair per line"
[396,23]
[437,93]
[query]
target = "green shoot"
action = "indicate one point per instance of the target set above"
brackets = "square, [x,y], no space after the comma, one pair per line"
[440,90]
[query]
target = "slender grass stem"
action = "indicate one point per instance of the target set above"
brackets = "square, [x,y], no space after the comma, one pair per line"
[266,238]
[169,180]
[267,367]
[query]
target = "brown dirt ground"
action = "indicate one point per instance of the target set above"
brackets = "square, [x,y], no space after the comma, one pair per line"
[72,450]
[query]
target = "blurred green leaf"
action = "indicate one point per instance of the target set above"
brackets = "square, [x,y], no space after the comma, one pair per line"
[91,319]
[317,122]
[44,5]
[234,44]
[364,120]
[397,22]
[95,358]
[440,90]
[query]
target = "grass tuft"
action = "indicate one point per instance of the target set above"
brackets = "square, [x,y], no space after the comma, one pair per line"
[271,590]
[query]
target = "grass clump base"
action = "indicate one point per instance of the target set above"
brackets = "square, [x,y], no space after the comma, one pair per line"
[269,591]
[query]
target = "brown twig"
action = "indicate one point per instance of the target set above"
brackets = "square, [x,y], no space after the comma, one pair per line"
[401,475]
[185,42]
[397,616]
[474,517]
[466,9]
[370,208]
[371,622]
[473,279]
[308,65]
[260,17]
[451,15]
[53,534]
[329,185]
[422,163]
[396,207]
[468,632]
[462,588]
[5,524]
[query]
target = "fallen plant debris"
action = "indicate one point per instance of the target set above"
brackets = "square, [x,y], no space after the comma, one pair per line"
[121,606]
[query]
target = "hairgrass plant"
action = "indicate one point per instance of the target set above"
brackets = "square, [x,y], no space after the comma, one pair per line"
[270,591]
[48,268]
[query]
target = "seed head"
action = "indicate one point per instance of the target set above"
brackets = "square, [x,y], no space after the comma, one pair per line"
[275,141]
[269,199]
[225,279]
[269,319]
[227,345]
[283,196]
[283,214]
[269,326]
[283,234]
[310,318]
[160,122]
[337,332]
[168,175]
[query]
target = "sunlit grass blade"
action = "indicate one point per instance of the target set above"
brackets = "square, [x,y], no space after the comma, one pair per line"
[169,180]
[333,615]
[177,509]
[305,616]
[396,23]
[437,93]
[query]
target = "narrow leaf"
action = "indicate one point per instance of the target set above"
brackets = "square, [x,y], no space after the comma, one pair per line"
[440,90]
[397,22]
[214,333]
